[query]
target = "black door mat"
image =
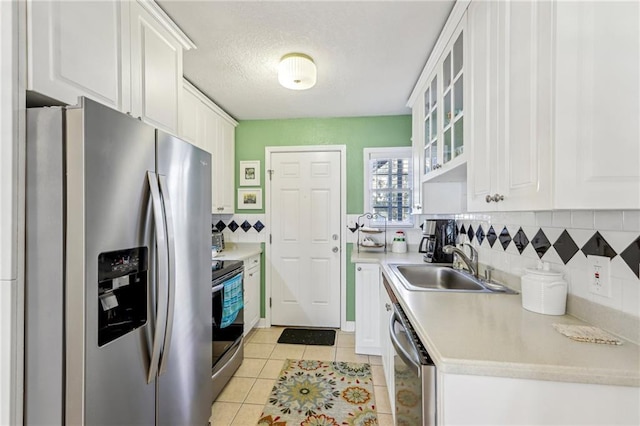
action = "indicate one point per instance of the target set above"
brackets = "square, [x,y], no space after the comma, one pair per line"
[308,336]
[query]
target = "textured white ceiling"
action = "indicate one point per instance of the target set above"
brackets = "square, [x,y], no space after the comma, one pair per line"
[369,54]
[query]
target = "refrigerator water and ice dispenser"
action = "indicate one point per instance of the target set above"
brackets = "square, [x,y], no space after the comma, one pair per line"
[122,292]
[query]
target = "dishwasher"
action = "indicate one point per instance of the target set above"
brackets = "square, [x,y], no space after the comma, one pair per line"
[414,373]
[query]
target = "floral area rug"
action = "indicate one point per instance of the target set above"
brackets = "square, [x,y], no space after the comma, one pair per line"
[321,393]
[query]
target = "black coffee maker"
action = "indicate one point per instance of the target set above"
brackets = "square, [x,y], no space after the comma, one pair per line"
[437,233]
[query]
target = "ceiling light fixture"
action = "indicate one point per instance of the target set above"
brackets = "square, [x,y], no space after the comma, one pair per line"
[297,71]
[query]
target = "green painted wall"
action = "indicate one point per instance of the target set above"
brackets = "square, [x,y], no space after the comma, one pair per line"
[356,133]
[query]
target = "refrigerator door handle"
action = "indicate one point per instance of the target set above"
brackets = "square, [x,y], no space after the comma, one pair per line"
[171,245]
[163,272]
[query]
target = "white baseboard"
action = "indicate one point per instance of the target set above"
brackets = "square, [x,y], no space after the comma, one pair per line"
[349,326]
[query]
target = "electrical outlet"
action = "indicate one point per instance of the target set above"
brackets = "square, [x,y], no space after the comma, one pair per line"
[599,275]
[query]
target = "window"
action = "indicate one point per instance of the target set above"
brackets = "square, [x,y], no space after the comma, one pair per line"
[389,184]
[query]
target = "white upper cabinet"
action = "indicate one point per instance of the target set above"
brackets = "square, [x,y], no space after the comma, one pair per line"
[417,153]
[75,49]
[224,163]
[156,68]
[440,110]
[124,54]
[510,73]
[597,88]
[438,123]
[189,120]
[208,127]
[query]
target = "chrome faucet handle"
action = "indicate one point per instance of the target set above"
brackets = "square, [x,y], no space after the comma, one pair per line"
[487,273]
[474,252]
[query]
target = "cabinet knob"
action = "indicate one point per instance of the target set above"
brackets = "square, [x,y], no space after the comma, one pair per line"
[335,249]
[488,198]
[387,306]
[359,268]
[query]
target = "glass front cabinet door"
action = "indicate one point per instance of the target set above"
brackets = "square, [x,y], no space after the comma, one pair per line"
[431,127]
[443,118]
[452,72]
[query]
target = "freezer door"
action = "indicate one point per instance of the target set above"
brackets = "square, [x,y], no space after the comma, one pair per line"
[44,272]
[109,236]
[184,382]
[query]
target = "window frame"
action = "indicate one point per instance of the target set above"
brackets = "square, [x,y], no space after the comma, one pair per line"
[391,153]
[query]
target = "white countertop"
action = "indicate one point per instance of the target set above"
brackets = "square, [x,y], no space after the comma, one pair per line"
[239,251]
[492,335]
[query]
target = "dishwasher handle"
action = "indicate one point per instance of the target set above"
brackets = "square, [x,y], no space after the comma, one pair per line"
[408,355]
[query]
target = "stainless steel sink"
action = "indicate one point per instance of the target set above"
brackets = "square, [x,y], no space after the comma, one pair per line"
[424,277]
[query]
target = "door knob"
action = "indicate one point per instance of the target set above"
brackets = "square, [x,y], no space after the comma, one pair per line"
[335,249]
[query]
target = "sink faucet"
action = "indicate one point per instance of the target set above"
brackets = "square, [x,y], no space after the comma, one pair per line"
[471,263]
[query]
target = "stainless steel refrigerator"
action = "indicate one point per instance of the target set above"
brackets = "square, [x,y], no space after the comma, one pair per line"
[118,271]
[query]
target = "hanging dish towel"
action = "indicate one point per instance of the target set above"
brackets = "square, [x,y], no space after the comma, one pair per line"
[233,300]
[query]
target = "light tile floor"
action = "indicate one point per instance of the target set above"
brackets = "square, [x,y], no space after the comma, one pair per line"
[242,400]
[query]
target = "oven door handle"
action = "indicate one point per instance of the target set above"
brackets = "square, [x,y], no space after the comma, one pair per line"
[217,288]
[400,349]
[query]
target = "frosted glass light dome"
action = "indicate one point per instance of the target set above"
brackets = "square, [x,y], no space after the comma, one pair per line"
[297,71]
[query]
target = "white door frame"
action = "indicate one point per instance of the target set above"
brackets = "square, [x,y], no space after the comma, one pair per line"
[342,149]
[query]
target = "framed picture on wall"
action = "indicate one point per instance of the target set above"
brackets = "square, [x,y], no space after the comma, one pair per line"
[250,198]
[250,173]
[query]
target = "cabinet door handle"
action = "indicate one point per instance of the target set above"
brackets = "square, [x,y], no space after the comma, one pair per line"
[496,198]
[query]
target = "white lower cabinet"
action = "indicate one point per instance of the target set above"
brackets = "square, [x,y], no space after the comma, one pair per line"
[386,348]
[473,400]
[251,293]
[208,127]
[367,309]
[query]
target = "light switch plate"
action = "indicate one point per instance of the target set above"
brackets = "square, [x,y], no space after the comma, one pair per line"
[599,270]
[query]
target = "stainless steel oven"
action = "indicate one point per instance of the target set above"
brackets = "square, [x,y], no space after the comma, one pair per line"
[414,374]
[227,321]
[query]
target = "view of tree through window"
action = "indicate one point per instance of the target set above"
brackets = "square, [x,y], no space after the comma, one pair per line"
[391,188]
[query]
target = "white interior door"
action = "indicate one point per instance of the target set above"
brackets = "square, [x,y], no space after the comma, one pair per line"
[305,247]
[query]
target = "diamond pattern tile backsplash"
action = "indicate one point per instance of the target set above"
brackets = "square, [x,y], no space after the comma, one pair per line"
[512,242]
[242,228]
